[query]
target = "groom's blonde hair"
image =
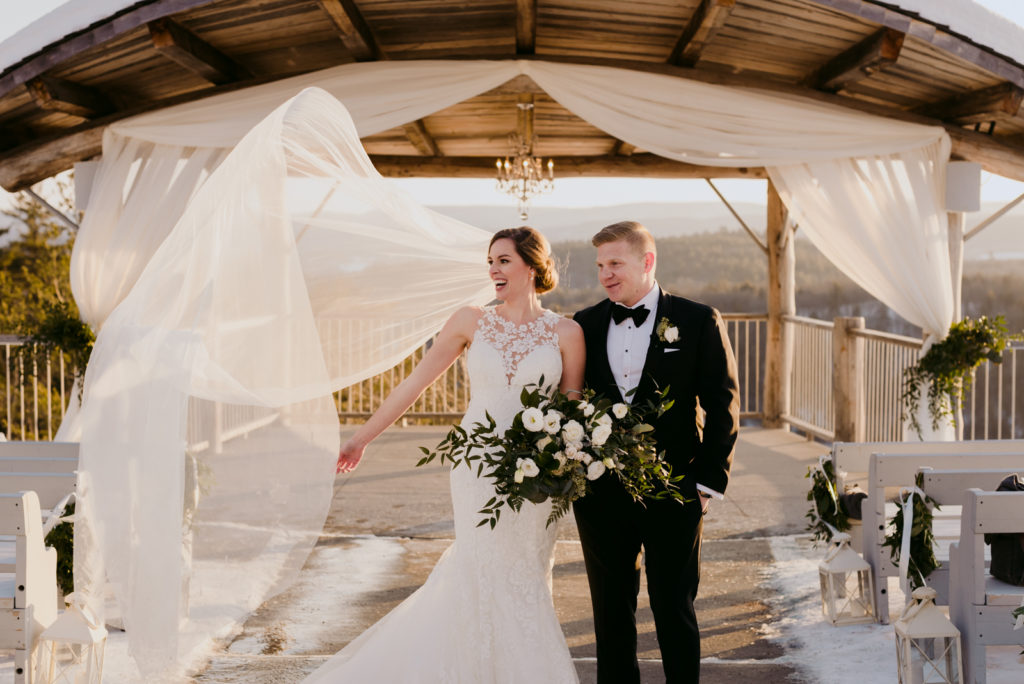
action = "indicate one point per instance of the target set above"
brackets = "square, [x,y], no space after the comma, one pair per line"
[635,234]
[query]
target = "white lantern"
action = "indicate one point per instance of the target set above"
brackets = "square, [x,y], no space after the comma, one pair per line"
[847,597]
[72,647]
[927,643]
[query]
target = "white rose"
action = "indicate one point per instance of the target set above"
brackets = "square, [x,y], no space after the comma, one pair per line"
[586,407]
[552,422]
[600,434]
[620,410]
[586,458]
[605,419]
[671,334]
[533,419]
[572,431]
[595,470]
[543,442]
[528,467]
[572,451]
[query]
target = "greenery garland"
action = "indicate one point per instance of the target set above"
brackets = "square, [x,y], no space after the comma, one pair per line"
[922,540]
[62,539]
[948,366]
[826,509]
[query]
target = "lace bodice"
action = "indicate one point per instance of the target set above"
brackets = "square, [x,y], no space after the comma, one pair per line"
[514,343]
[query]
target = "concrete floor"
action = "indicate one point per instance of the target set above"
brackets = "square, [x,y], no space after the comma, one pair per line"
[390,521]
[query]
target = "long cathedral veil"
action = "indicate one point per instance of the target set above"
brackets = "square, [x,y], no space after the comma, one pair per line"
[208,429]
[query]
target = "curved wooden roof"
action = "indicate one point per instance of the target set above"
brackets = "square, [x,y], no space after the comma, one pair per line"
[861,54]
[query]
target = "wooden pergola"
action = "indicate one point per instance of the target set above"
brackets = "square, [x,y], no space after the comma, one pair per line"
[865,55]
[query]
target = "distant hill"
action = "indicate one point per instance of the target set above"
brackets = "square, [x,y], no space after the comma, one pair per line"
[1002,240]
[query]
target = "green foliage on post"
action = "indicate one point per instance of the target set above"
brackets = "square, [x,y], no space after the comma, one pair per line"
[948,366]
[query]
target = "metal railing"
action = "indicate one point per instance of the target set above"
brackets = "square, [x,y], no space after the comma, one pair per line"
[747,334]
[885,358]
[36,390]
[810,403]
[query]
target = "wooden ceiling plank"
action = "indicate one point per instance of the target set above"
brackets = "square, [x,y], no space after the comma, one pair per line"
[707,19]
[59,95]
[996,103]
[178,44]
[417,133]
[647,165]
[876,52]
[355,32]
[526,27]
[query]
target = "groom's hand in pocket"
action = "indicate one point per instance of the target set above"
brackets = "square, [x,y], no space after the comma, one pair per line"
[705,501]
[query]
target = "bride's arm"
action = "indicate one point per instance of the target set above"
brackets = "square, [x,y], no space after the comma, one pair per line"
[450,342]
[574,357]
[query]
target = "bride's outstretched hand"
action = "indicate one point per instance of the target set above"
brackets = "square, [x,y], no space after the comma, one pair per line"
[349,456]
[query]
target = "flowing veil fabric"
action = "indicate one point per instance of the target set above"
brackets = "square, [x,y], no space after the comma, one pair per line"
[208,431]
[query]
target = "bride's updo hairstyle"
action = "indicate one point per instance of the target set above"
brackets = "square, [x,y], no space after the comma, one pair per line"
[535,251]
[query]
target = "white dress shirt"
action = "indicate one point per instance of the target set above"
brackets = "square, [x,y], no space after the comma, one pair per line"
[627,352]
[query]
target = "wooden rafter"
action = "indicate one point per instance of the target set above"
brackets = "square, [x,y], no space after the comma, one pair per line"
[707,19]
[421,139]
[648,165]
[355,33]
[876,52]
[526,27]
[623,149]
[998,103]
[58,95]
[178,44]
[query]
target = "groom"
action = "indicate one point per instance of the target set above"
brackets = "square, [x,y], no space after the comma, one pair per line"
[643,338]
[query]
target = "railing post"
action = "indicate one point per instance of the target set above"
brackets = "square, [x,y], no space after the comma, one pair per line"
[778,354]
[848,379]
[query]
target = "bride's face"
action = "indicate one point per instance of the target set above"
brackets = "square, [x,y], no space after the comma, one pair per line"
[510,274]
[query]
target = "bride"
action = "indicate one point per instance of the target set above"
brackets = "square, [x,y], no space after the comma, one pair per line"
[485,614]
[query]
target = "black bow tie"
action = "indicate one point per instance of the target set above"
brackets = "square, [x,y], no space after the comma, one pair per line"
[621,313]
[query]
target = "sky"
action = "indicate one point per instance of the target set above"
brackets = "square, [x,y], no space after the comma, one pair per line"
[568,192]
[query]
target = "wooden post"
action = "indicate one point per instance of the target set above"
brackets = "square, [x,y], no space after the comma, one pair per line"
[848,380]
[778,361]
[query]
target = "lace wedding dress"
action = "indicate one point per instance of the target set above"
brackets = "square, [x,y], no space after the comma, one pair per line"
[484,615]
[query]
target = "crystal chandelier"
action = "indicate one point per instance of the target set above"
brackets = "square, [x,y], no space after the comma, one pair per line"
[521,174]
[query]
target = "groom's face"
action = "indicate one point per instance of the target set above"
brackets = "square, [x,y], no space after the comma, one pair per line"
[626,273]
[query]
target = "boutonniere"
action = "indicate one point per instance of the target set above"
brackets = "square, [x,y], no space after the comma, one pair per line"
[667,332]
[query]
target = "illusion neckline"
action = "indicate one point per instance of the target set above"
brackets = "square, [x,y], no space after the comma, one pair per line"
[544,314]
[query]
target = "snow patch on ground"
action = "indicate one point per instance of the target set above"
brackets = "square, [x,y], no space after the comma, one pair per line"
[853,654]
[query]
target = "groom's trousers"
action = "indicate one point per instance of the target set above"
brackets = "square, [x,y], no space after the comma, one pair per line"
[612,531]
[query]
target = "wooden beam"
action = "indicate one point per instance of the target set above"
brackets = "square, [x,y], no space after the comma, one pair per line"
[520,84]
[421,139]
[998,103]
[355,32]
[646,165]
[623,149]
[707,19]
[58,95]
[869,56]
[526,27]
[43,157]
[178,44]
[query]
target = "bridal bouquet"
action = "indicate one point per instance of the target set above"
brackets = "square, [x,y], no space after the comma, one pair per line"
[556,446]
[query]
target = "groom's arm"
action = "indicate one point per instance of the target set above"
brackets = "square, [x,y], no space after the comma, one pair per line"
[718,391]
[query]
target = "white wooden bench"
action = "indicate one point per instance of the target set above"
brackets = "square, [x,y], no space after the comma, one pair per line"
[893,471]
[850,461]
[47,468]
[28,585]
[981,606]
[946,488]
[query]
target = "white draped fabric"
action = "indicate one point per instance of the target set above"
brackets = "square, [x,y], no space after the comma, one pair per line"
[249,279]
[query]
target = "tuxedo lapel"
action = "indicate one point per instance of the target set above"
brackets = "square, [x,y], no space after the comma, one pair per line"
[597,354]
[650,379]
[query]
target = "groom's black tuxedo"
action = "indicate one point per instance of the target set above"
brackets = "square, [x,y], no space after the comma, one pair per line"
[697,366]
